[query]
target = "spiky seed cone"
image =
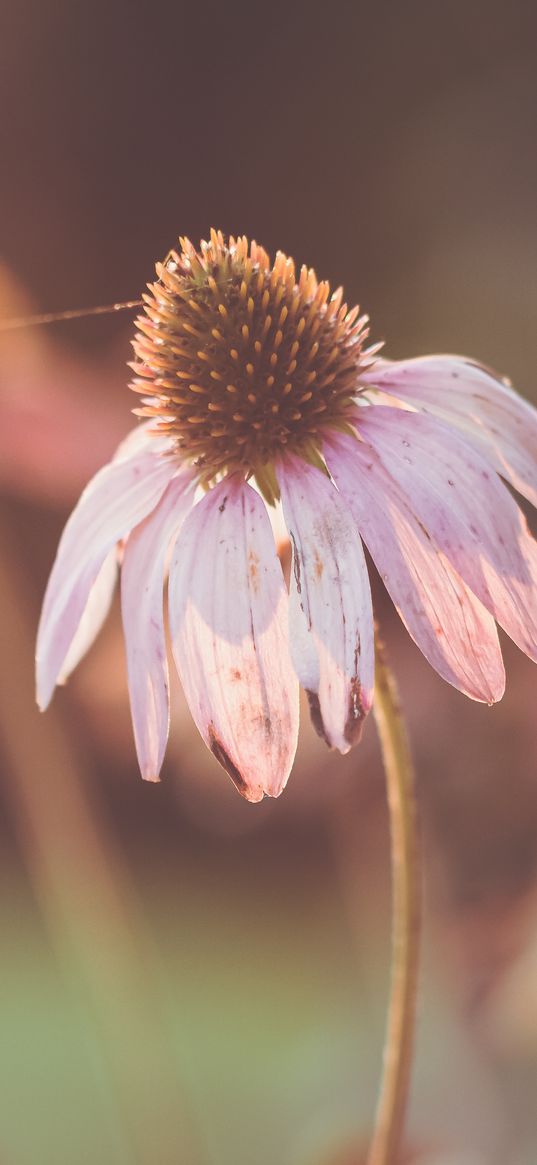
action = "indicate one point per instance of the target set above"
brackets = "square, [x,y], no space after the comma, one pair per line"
[240,362]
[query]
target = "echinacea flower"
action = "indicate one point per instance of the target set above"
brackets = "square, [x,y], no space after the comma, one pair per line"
[258,392]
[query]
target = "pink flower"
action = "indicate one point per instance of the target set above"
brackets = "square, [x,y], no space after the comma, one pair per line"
[260,392]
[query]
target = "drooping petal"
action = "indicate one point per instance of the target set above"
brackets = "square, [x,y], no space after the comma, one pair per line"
[228,621]
[331,617]
[467,511]
[448,623]
[94,615]
[116,499]
[489,412]
[142,581]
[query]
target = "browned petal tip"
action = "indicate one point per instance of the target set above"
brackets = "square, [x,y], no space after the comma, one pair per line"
[358,710]
[222,756]
[316,716]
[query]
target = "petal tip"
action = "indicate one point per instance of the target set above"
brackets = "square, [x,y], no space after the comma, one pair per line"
[496,683]
[255,796]
[351,734]
[151,776]
[490,692]
[43,694]
[496,696]
[250,793]
[316,716]
[359,706]
[274,793]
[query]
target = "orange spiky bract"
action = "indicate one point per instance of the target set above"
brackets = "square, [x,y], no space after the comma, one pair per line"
[240,362]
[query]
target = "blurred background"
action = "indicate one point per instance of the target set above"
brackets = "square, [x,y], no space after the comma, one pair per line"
[185,977]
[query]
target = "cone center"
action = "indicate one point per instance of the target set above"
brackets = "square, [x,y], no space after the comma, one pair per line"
[241,361]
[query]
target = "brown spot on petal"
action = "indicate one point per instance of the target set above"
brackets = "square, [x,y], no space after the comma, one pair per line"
[316,717]
[253,567]
[423,529]
[356,711]
[356,716]
[223,758]
[283,551]
[296,565]
[319,566]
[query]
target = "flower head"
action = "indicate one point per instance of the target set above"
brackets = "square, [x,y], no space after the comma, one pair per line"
[242,363]
[257,391]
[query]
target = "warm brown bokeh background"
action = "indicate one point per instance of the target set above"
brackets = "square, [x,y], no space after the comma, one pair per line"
[185,977]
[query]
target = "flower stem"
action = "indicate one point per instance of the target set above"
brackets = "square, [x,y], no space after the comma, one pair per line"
[399,1039]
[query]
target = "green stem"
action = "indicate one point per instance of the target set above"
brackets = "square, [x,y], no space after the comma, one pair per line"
[398,1047]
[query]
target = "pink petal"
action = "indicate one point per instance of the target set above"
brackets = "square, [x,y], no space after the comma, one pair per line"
[143,438]
[228,622]
[331,617]
[142,582]
[501,423]
[94,615]
[448,623]
[467,511]
[116,499]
